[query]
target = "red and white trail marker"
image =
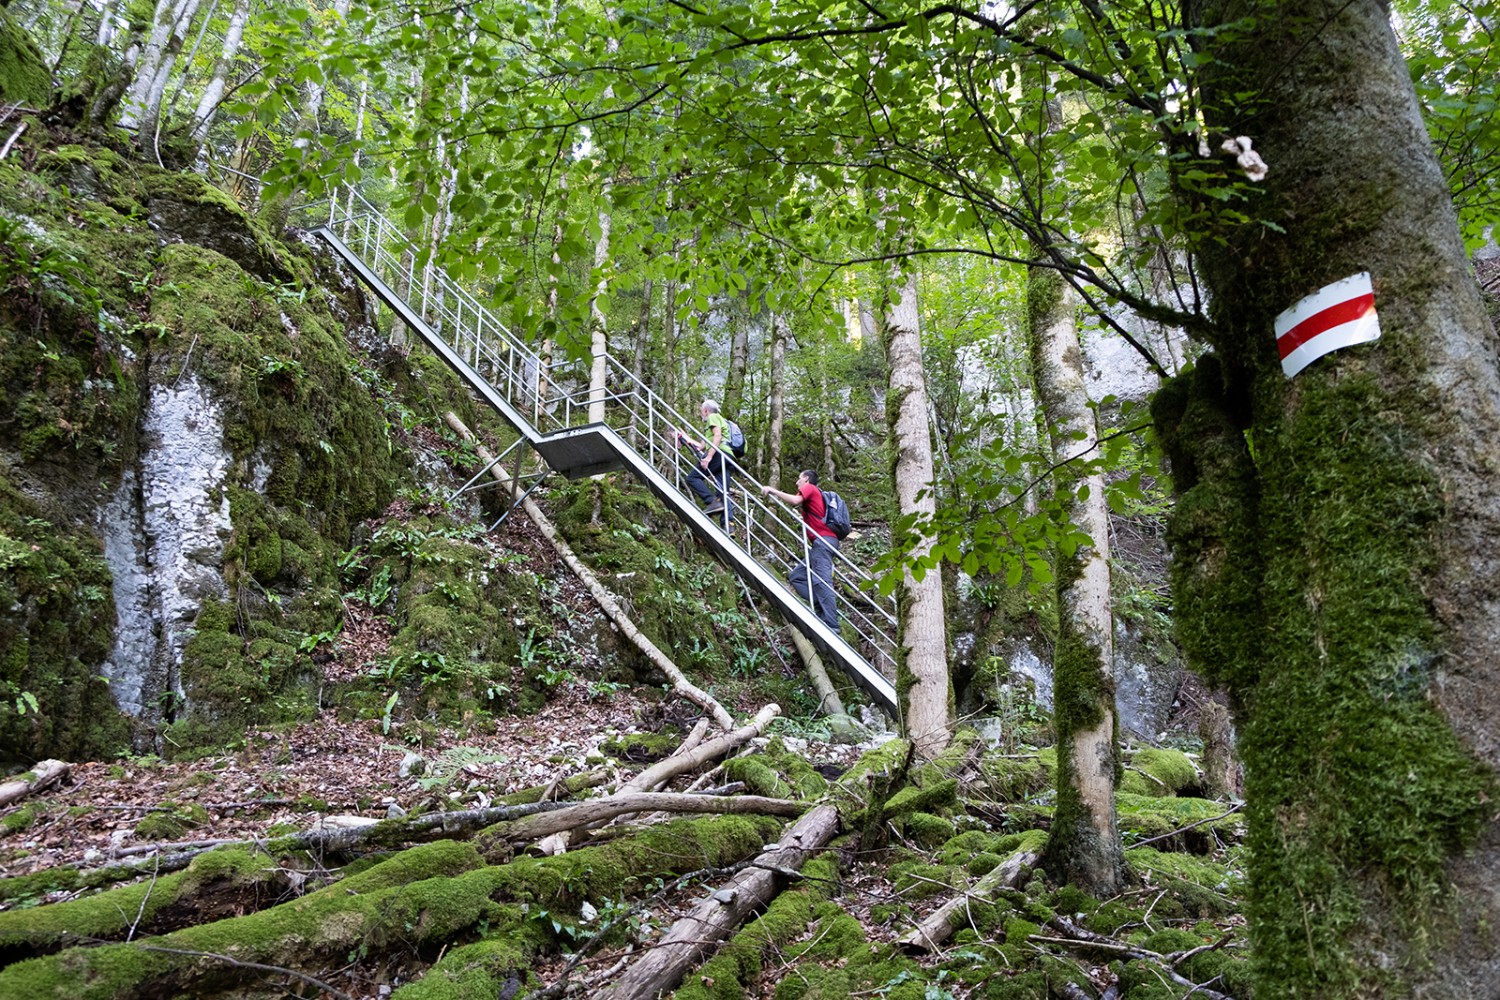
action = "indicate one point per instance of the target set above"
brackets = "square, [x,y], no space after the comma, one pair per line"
[1337,315]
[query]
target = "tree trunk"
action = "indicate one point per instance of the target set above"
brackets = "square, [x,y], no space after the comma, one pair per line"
[312,107]
[208,104]
[598,325]
[638,362]
[155,85]
[829,702]
[923,671]
[164,26]
[1340,577]
[1084,847]
[825,413]
[739,360]
[776,402]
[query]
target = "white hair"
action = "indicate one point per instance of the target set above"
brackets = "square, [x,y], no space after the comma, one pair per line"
[711,406]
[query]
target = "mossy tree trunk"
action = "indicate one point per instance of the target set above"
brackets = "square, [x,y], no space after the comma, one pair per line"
[776,403]
[739,360]
[1334,536]
[1084,846]
[923,678]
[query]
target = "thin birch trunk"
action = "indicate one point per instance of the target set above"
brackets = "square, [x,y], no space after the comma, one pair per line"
[1085,840]
[208,104]
[669,340]
[825,409]
[107,24]
[150,123]
[312,107]
[187,69]
[163,23]
[924,645]
[638,361]
[739,359]
[598,327]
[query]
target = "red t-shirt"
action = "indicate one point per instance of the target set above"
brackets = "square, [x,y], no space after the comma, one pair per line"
[813,512]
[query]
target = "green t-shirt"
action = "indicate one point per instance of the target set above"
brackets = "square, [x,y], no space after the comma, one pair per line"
[722,423]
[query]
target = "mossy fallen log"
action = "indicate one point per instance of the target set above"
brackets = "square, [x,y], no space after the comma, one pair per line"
[939,925]
[217,884]
[595,811]
[741,961]
[399,905]
[696,934]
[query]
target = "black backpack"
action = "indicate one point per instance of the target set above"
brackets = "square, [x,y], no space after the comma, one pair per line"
[736,440]
[836,514]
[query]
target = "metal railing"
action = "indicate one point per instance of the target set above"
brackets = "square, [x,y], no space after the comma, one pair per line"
[556,396]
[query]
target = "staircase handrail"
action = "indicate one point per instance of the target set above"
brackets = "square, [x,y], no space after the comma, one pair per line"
[533,387]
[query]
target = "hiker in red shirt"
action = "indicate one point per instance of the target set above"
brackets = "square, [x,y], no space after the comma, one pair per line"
[822,544]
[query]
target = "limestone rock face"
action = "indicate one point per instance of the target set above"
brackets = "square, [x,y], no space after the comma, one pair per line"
[164,533]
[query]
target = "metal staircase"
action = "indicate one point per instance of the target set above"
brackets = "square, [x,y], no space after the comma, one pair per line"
[549,406]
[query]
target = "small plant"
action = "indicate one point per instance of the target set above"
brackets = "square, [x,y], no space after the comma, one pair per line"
[419,665]
[309,643]
[377,591]
[270,365]
[385,715]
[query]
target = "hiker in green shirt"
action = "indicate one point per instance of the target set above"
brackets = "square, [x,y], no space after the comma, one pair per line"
[709,478]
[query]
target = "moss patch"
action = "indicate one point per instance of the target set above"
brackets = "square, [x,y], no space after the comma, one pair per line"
[24,78]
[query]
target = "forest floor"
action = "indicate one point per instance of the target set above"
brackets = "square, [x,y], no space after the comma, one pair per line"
[289,779]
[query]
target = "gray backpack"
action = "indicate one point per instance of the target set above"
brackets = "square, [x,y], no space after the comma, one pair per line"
[836,514]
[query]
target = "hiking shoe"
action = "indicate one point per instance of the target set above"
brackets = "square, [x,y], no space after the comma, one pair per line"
[717,507]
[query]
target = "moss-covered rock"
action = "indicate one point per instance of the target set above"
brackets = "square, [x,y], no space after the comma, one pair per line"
[1159,771]
[24,78]
[56,618]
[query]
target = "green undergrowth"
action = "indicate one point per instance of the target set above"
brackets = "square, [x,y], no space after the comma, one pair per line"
[679,597]
[477,628]
[421,901]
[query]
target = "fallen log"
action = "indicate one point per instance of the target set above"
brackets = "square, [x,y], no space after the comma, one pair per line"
[940,924]
[427,897]
[595,811]
[829,702]
[605,599]
[664,771]
[694,936]
[44,775]
[658,775]
[1080,937]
